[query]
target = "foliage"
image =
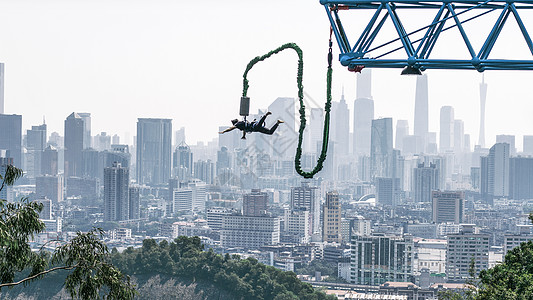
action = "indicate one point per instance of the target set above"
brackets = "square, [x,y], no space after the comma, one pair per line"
[156,290]
[184,259]
[318,265]
[85,256]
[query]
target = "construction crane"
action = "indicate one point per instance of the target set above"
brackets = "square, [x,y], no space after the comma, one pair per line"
[449,15]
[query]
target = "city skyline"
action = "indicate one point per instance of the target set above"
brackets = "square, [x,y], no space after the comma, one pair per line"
[89,69]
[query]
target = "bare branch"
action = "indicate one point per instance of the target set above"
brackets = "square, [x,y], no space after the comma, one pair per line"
[37,275]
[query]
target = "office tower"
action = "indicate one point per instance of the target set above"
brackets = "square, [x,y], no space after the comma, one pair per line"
[190,198]
[50,187]
[116,193]
[340,122]
[102,142]
[528,145]
[458,136]
[421,126]
[370,266]
[117,153]
[363,114]
[154,141]
[509,139]
[87,138]
[521,178]
[46,212]
[286,136]
[381,148]
[495,172]
[425,180]
[249,232]
[75,134]
[93,164]
[182,162]
[7,192]
[483,101]
[331,229]
[255,203]
[134,203]
[11,137]
[205,171]
[446,128]
[448,206]
[316,129]
[35,144]
[297,228]
[387,190]
[461,249]
[466,144]
[305,197]
[402,131]
[179,136]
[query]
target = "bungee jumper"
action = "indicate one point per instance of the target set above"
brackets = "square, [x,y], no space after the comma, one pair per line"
[253,126]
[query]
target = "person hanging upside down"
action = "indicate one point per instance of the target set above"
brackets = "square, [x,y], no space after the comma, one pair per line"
[253,126]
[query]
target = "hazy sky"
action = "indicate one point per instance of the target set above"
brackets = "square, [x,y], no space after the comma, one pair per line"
[124,59]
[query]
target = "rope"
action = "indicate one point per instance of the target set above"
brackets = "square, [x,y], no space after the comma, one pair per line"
[303,121]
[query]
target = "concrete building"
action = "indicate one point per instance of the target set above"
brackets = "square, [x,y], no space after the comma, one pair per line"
[521,178]
[448,206]
[255,203]
[402,131]
[204,170]
[191,197]
[425,180]
[483,101]
[11,136]
[305,197]
[182,162]
[331,229]
[154,142]
[495,172]
[75,135]
[249,232]
[49,161]
[35,145]
[381,149]
[512,241]
[297,227]
[116,193]
[379,258]
[341,126]
[508,139]
[134,203]
[462,248]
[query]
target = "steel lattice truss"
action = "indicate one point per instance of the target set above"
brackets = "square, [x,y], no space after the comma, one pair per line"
[450,15]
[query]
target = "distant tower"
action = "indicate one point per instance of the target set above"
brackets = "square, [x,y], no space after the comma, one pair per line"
[341,125]
[331,229]
[74,144]
[11,137]
[87,138]
[286,136]
[363,114]
[402,130]
[381,148]
[421,109]
[2,88]
[446,128]
[483,100]
[182,162]
[255,203]
[116,193]
[154,147]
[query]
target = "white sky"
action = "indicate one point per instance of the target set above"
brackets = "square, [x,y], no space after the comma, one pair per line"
[124,59]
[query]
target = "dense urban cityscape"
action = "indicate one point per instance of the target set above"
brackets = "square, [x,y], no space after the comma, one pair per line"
[396,211]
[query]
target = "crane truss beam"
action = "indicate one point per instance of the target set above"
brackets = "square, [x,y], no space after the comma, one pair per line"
[418,52]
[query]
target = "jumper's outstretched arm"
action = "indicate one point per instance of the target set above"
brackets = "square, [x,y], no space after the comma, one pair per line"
[227,130]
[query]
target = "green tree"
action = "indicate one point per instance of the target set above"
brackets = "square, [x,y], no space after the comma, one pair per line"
[85,257]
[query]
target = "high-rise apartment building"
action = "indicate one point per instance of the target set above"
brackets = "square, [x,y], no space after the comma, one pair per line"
[75,135]
[134,203]
[425,180]
[297,228]
[116,193]
[462,248]
[331,229]
[305,197]
[35,144]
[191,197]
[448,206]
[495,172]
[509,139]
[363,114]
[7,192]
[182,162]
[379,258]
[11,137]
[255,203]
[205,171]
[154,142]
[387,190]
[381,148]
[521,178]
[421,124]
[446,128]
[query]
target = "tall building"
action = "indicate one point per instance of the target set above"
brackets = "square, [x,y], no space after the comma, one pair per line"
[50,187]
[448,206]
[425,180]
[446,128]
[179,136]
[255,203]
[381,148]
[341,126]
[458,136]
[495,172]
[7,191]
[521,178]
[512,241]
[116,193]
[402,131]
[297,228]
[482,102]
[509,139]
[421,127]
[305,197]
[205,171]
[363,114]
[528,145]
[461,249]
[2,88]
[134,203]
[182,162]
[190,198]
[331,229]
[11,137]
[379,258]
[49,161]
[87,138]
[387,190]
[315,129]
[286,136]
[75,135]
[154,142]
[46,212]
[35,144]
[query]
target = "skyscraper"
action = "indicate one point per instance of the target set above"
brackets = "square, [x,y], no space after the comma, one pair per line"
[521,178]
[305,197]
[11,137]
[316,129]
[495,172]
[35,144]
[421,110]
[464,247]
[87,138]
[331,229]
[154,142]
[448,206]
[49,161]
[341,125]
[446,128]
[528,145]
[363,114]
[7,192]
[134,203]
[402,130]
[286,136]
[2,88]
[116,193]
[458,136]
[381,148]
[425,180]
[483,100]
[74,144]
[255,203]
[182,162]
[509,139]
